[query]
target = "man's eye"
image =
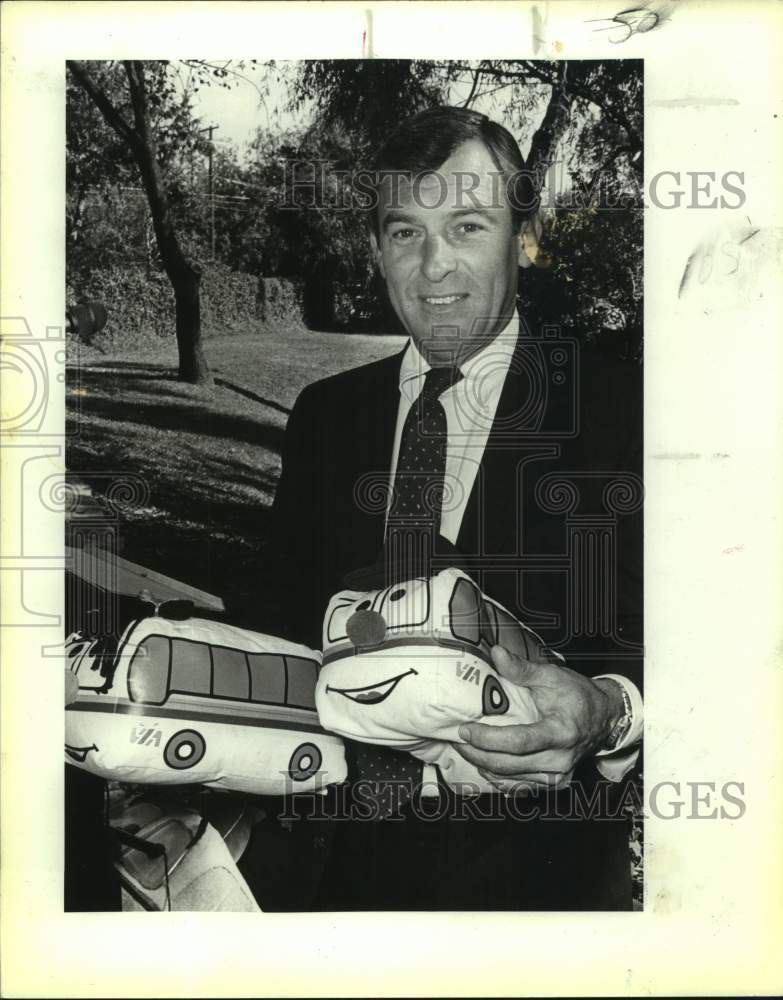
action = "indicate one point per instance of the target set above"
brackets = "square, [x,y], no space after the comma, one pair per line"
[403,235]
[468,228]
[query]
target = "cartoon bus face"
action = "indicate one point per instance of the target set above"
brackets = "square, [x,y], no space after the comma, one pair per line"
[200,702]
[410,663]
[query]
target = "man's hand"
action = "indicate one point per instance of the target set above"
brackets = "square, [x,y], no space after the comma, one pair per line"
[577,715]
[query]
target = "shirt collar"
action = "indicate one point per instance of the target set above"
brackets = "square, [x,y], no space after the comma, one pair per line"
[414,366]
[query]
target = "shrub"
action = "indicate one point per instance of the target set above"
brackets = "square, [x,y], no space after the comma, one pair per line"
[140,303]
[280,301]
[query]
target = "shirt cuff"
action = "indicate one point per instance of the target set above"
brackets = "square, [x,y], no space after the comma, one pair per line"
[616,763]
[616,767]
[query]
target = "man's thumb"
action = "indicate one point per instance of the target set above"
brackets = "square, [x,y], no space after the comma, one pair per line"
[515,668]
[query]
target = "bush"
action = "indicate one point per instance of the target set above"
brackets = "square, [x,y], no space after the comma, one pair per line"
[140,303]
[280,301]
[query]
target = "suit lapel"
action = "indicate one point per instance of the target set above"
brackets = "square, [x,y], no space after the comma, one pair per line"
[493,518]
[369,428]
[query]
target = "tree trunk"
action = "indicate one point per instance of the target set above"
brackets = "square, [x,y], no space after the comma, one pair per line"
[185,279]
[551,130]
[192,363]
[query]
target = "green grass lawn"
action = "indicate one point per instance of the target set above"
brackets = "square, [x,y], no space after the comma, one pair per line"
[210,459]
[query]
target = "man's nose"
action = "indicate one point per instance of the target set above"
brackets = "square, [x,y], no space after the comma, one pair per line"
[439,259]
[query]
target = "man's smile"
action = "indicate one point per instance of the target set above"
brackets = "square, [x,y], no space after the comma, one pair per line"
[371,694]
[443,300]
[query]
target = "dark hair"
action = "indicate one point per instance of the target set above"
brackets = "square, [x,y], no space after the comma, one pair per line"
[424,142]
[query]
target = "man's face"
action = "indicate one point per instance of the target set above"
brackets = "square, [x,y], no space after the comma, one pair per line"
[449,255]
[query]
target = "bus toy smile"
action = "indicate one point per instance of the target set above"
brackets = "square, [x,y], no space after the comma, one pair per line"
[79,753]
[371,694]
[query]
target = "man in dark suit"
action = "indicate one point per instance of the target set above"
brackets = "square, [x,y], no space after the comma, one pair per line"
[537,459]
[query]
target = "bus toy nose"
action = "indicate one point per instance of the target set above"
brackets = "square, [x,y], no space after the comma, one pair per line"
[366,628]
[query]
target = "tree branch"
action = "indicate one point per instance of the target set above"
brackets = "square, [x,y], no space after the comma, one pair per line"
[476,78]
[112,116]
[552,127]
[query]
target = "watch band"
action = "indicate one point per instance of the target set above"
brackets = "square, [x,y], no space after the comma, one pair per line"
[623,724]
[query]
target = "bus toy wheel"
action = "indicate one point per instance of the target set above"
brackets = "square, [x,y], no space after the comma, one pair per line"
[305,762]
[185,749]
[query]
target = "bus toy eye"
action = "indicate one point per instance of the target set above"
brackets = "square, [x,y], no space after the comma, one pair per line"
[397,595]
[494,699]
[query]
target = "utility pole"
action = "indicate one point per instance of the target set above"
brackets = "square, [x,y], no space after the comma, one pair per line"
[210,129]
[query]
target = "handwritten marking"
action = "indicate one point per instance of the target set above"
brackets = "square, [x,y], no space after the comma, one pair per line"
[631,21]
[733,548]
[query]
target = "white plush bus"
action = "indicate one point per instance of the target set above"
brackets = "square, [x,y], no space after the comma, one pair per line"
[405,666]
[200,702]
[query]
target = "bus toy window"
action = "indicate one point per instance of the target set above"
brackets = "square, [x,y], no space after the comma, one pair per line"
[464,611]
[86,658]
[335,631]
[230,674]
[302,675]
[489,628]
[406,606]
[511,634]
[267,678]
[148,674]
[190,667]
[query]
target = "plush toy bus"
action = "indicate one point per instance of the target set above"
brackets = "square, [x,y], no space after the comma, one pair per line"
[198,702]
[407,665]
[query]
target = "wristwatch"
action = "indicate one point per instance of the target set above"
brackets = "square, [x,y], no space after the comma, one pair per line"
[620,729]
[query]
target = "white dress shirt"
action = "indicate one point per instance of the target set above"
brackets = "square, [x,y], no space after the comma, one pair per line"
[470,407]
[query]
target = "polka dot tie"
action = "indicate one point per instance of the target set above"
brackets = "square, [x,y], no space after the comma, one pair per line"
[421,466]
[389,776]
[417,501]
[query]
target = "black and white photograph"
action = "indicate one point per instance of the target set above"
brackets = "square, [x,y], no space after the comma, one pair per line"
[355,602]
[390,438]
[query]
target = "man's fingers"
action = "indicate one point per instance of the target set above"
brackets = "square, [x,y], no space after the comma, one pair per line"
[509,665]
[512,784]
[515,668]
[524,738]
[505,764]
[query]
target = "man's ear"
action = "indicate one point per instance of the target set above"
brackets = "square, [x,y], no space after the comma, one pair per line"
[376,251]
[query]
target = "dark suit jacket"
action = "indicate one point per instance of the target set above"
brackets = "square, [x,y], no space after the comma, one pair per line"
[552,530]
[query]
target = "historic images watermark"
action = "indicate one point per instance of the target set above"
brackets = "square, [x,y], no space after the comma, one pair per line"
[602,801]
[317,185]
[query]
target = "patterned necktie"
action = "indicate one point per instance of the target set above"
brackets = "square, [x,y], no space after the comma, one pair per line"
[390,776]
[419,482]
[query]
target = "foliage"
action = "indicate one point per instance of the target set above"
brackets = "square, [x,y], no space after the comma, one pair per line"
[583,117]
[279,302]
[594,281]
[356,96]
[580,123]
[140,303]
[149,107]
